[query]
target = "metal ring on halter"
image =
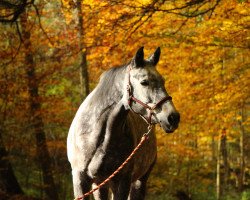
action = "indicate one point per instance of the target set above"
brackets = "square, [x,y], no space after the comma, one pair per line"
[150,126]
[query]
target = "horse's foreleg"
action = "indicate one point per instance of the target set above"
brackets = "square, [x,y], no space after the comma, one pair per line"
[81,183]
[121,188]
[100,194]
[138,188]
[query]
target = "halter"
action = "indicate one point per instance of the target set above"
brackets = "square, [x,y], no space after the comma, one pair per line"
[131,98]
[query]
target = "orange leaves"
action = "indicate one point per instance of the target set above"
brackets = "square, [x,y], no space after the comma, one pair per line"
[205,61]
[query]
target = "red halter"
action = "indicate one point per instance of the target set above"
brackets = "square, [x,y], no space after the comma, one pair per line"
[131,98]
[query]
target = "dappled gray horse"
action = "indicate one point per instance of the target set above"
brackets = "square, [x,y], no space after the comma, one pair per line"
[110,123]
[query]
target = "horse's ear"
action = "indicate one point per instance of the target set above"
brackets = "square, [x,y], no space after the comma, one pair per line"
[154,58]
[139,58]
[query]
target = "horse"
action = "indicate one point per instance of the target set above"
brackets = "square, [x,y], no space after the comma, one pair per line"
[110,123]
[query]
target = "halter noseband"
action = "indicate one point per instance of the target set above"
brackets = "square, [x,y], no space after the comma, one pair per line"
[131,98]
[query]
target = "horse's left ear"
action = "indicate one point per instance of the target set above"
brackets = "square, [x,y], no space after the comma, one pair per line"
[154,58]
[139,58]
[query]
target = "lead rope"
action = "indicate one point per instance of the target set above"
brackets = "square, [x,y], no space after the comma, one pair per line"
[143,139]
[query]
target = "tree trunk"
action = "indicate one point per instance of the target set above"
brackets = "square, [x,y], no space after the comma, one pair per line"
[222,155]
[218,174]
[36,120]
[225,158]
[213,146]
[8,181]
[242,152]
[84,77]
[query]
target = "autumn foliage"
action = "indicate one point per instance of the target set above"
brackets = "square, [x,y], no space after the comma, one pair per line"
[205,61]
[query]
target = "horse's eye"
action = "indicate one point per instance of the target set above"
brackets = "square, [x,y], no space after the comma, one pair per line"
[145,83]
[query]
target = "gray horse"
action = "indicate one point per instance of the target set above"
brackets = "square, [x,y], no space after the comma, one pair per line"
[110,123]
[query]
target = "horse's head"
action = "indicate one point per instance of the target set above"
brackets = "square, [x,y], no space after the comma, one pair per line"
[145,92]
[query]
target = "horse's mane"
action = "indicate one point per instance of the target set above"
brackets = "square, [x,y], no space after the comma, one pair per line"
[107,93]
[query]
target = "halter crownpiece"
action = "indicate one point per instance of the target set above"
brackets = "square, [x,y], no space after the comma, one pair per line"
[131,98]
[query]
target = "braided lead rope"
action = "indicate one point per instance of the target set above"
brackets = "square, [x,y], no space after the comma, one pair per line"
[143,139]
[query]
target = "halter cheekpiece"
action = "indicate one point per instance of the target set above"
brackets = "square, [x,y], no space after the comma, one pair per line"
[131,98]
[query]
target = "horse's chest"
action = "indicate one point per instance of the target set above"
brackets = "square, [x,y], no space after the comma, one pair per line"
[107,160]
[144,158]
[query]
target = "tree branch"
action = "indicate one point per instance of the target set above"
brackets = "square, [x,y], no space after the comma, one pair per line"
[40,24]
[13,9]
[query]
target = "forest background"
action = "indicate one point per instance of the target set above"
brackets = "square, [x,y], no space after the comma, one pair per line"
[52,54]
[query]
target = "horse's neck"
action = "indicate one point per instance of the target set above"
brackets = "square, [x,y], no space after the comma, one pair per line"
[114,126]
[111,115]
[104,99]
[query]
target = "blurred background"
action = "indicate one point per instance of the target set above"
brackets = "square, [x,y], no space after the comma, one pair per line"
[52,54]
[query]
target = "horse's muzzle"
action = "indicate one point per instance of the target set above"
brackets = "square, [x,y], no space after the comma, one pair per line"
[172,122]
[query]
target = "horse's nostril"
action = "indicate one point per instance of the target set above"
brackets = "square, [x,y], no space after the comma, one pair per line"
[174,119]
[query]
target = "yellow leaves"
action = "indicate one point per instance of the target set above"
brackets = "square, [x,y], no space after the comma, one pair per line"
[238,117]
[246,122]
[157,184]
[220,97]
[226,25]
[242,8]
[67,10]
[204,64]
